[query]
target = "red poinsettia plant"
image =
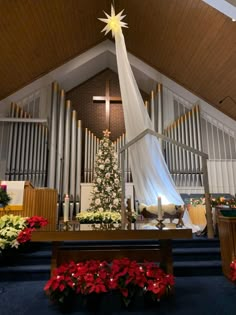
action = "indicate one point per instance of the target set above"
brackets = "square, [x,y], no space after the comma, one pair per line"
[78,278]
[233,270]
[123,275]
[32,223]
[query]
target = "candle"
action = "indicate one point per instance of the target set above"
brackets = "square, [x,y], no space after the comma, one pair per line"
[66,208]
[77,207]
[3,186]
[71,210]
[159,210]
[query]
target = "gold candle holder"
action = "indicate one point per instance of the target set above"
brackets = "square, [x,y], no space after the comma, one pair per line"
[160,225]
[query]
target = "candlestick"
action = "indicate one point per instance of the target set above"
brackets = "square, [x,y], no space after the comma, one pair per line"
[66,208]
[71,210]
[159,209]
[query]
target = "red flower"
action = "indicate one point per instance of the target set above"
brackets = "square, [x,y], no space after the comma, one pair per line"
[25,235]
[36,222]
[124,275]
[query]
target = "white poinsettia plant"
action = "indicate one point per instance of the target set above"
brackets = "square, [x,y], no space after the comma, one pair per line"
[99,217]
[90,217]
[10,227]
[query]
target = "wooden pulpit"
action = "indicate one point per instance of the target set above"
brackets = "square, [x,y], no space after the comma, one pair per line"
[37,201]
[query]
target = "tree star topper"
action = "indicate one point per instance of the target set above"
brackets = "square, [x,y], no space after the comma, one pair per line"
[106,133]
[113,21]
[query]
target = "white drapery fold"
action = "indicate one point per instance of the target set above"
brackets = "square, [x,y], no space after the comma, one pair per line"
[151,176]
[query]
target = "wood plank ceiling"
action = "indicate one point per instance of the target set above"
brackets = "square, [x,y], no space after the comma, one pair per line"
[186,40]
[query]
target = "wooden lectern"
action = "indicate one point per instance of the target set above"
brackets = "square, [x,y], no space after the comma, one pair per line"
[37,201]
[227,233]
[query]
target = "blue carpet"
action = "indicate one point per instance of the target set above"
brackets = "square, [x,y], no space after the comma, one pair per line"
[193,296]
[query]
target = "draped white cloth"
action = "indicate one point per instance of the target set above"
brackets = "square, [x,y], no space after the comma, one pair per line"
[151,176]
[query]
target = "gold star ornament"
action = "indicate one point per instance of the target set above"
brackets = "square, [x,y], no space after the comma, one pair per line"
[106,133]
[114,22]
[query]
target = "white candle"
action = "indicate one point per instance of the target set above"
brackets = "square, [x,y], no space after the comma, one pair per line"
[77,207]
[159,210]
[66,208]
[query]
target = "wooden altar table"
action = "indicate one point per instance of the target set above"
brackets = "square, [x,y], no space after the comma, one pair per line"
[150,245]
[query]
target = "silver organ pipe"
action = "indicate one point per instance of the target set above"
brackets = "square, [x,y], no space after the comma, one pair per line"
[188,154]
[167,153]
[41,182]
[183,151]
[192,158]
[186,130]
[35,153]
[176,155]
[173,153]
[195,143]
[85,155]
[179,152]
[97,145]
[73,159]
[92,156]
[37,182]
[19,146]
[15,146]
[88,156]
[45,148]
[23,149]
[60,144]
[78,168]
[53,136]
[153,110]
[10,146]
[160,108]
[94,151]
[27,174]
[67,148]
[199,135]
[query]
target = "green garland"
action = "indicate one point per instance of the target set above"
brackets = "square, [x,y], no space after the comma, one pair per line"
[4,198]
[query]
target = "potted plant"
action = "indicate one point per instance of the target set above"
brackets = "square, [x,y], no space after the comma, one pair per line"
[88,282]
[16,230]
[4,198]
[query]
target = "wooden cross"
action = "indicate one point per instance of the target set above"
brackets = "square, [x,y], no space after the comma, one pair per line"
[108,100]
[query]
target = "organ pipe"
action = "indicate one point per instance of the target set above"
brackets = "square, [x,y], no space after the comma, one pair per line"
[67,149]
[73,159]
[78,168]
[10,147]
[85,155]
[23,149]
[53,136]
[60,143]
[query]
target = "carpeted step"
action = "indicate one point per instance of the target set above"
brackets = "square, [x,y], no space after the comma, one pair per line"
[25,273]
[197,268]
[196,254]
[196,242]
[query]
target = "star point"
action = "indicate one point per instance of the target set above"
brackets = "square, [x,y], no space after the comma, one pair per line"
[114,22]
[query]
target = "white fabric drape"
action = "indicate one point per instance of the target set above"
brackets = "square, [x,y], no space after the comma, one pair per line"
[151,176]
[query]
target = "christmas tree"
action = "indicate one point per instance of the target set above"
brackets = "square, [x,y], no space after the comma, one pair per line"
[106,194]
